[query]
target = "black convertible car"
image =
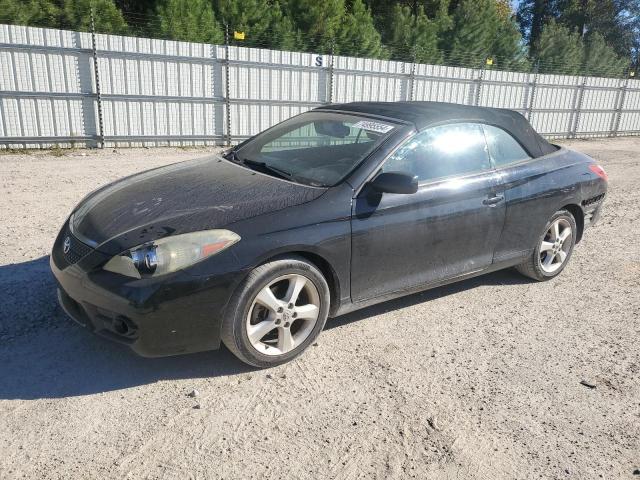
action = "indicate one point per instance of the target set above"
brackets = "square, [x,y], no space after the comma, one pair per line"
[330,211]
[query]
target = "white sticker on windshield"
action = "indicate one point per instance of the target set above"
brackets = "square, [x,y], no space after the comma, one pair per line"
[373,126]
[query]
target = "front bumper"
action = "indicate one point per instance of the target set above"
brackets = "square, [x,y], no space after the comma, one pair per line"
[175,314]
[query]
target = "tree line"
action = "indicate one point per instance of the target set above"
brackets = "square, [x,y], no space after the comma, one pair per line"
[596,37]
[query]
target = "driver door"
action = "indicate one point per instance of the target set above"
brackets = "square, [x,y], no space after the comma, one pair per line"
[448,228]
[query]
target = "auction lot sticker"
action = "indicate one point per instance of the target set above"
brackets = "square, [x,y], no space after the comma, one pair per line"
[373,126]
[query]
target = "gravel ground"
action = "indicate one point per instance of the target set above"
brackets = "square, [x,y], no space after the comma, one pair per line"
[481,379]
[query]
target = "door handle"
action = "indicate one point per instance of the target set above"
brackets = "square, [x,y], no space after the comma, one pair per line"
[493,200]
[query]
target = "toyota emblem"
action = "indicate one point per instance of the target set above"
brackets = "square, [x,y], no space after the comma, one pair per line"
[66,246]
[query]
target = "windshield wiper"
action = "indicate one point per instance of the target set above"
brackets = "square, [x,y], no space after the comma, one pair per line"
[270,168]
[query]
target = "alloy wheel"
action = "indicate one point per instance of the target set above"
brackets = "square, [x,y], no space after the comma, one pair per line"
[283,314]
[555,245]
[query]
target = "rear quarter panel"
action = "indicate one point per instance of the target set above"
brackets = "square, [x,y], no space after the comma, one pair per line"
[535,190]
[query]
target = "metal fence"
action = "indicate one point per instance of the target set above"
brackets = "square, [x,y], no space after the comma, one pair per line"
[69,89]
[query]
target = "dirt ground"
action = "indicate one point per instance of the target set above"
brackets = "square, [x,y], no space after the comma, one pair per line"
[481,379]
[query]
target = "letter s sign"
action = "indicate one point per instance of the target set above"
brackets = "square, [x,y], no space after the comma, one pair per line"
[319,61]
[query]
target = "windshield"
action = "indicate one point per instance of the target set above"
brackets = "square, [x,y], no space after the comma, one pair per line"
[315,148]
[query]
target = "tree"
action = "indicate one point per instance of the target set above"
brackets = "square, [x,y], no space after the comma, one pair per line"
[600,59]
[317,23]
[283,33]
[532,16]
[503,10]
[617,21]
[413,37]
[594,35]
[330,26]
[482,29]
[508,50]
[139,15]
[262,21]
[189,21]
[559,50]
[35,13]
[76,15]
[357,35]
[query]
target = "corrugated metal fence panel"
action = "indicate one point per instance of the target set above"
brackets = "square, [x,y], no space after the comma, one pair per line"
[441,83]
[599,102]
[365,79]
[159,91]
[46,88]
[554,103]
[505,90]
[630,115]
[268,86]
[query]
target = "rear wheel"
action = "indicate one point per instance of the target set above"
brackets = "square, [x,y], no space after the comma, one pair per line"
[554,248]
[277,312]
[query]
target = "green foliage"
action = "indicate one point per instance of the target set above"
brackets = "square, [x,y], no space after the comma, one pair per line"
[564,36]
[414,36]
[508,51]
[559,50]
[263,22]
[357,35]
[317,23]
[600,59]
[189,21]
[617,21]
[481,30]
[65,14]
[532,16]
[330,26]
[36,13]
[282,34]
[76,15]
[475,25]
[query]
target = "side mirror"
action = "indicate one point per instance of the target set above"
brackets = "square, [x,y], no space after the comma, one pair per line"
[395,182]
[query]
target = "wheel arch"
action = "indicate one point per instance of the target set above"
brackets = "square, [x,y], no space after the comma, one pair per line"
[578,215]
[322,263]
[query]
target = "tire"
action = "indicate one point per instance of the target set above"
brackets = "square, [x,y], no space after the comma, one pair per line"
[538,266]
[256,322]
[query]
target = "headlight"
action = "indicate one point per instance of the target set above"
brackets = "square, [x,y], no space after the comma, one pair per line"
[169,254]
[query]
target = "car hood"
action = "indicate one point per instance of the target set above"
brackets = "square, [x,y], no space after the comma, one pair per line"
[180,198]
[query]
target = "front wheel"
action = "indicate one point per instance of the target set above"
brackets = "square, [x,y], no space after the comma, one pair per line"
[554,248]
[276,313]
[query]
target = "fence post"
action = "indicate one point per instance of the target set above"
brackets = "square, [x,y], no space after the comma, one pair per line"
[96,72]
[329,96]
[476,100]
[577,107]
[622,94]
[227,88]
[412,78]
[532,91]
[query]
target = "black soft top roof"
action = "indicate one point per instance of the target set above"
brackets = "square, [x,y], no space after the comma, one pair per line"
[427,114]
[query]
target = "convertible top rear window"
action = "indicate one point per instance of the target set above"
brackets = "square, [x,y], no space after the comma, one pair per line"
[316,148]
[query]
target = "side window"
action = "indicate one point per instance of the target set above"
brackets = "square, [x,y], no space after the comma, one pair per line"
[503,148]
[438,152]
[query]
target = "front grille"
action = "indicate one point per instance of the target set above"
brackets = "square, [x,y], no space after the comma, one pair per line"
[75,252]
[77,249]
[592,200]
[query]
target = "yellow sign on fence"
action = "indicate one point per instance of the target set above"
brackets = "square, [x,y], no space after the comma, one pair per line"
[238,35]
